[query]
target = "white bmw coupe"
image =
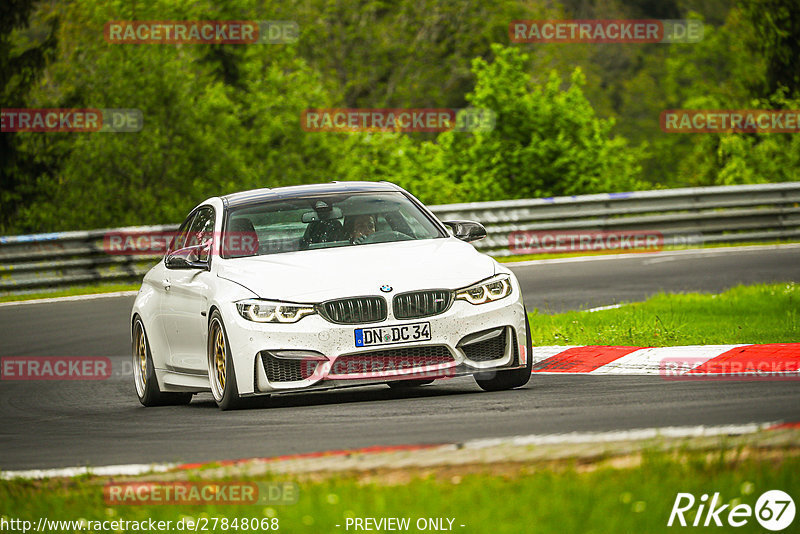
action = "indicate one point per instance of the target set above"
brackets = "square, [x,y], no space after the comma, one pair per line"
[323,286]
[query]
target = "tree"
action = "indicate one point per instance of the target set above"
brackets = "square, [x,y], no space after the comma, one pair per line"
[741,65]
[204,134]
[777,39]
[24,52]
[547,140]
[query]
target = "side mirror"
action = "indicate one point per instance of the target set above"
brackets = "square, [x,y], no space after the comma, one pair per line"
[466,230]
[189,257]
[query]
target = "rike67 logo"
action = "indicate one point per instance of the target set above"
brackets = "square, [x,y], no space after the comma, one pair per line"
[774,510]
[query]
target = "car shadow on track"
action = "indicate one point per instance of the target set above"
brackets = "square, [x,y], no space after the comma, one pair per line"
[368,394]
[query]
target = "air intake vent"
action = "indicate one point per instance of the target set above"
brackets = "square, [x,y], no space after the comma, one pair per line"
[356,310]
[421,303]
[485,351]
[400,359]
[283,370]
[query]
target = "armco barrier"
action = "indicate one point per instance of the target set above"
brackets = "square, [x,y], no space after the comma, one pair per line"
[688,216]
[31,262]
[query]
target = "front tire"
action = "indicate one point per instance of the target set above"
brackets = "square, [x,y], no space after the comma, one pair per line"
[221,374]
[144,374]
[513,378]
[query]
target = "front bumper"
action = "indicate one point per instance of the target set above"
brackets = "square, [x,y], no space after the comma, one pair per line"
[315,354]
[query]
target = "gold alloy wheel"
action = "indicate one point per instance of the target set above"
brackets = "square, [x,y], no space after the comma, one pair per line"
[139,357]
[141,352]
[219,357]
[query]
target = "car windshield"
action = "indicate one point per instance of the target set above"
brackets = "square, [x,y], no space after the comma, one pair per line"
[325,221]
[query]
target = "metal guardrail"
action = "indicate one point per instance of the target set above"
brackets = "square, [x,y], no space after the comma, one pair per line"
[688,216]
[29,263]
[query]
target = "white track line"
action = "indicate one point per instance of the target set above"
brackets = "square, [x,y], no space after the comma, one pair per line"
[602,308]
[108,470]
[638,434]
[72,298]
[651,255]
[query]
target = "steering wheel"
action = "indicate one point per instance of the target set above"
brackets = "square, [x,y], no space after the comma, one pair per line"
[381,236]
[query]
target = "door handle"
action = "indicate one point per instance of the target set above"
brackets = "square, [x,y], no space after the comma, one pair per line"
[166,284]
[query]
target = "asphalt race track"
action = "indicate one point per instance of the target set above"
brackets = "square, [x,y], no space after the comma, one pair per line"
[560,285]
[72,423]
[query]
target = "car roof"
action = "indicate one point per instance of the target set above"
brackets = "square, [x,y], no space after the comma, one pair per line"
[255,196]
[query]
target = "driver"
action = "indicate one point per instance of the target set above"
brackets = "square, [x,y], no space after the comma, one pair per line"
[363,226]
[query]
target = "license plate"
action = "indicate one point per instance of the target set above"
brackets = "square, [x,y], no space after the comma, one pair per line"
[388,335]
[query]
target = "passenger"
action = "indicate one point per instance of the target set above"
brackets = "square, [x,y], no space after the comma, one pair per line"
[362,226]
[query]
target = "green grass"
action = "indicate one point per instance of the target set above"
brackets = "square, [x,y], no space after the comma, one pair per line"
[764,313]
[563,497]
[71,291]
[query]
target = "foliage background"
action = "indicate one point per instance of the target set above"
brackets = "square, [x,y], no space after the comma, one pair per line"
[571,118]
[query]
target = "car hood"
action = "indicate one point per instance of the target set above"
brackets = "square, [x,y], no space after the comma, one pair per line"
[319,275]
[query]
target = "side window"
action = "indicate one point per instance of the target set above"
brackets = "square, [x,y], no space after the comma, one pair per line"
[201,230]
[179,241]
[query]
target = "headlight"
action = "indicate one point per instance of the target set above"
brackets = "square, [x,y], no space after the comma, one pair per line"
[489,291]
[267,311]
